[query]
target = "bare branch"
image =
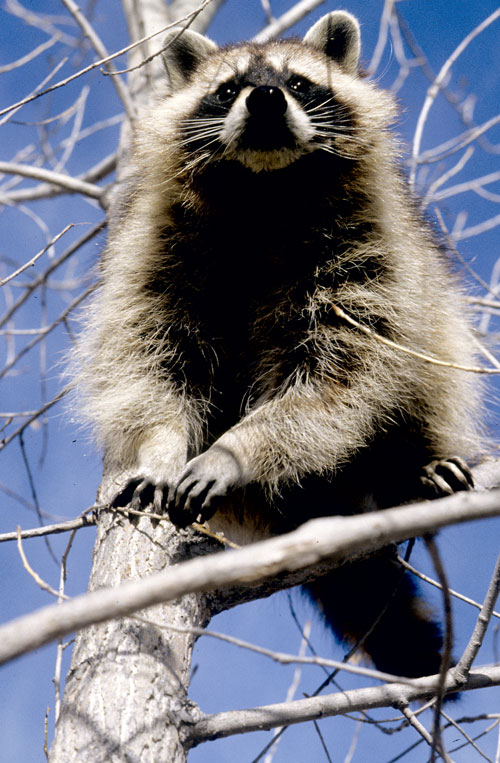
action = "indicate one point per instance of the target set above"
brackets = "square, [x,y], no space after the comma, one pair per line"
[222,725]
[43,21]
[434,583]
[477,230]
[94,65]
[71,184]
[46,190]
[437,741]
[332,540]
[37,256]
[470,185]
[437,84]
[288,19]
[413,721]
[36,577]
[31,55]
[43,277]
[7,440]
[463,667]
[96,42]
[455,144]
[382,37]
[62,527]
[35,93]
[62,317]
[469,739]
[292,659]
[428,359]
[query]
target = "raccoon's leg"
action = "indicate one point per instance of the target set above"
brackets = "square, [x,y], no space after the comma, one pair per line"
[160,455]
[376,603]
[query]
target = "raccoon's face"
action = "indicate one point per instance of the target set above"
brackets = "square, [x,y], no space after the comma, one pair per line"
[266,106]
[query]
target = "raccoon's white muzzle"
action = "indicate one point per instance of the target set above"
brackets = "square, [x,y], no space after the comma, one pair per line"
[266,129]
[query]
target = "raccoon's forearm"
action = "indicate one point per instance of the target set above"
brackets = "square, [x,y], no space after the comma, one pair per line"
[307,430]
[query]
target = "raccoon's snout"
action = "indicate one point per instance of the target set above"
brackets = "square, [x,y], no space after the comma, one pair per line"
[266,101]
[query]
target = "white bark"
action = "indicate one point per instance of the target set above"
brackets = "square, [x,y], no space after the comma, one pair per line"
[221,725]
[126,692]
[329,540]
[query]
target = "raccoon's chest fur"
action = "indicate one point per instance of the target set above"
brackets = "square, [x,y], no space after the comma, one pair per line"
[247,263]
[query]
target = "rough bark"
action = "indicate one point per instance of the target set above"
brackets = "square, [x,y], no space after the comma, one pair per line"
[126,692]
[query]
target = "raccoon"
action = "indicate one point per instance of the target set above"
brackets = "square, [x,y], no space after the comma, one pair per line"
[267,192]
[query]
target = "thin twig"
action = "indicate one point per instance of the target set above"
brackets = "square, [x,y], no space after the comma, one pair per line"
[60,645]
[288,19]
[101,62]
[47,330]
[437,84]
[99,47]
[36,577]
[464,664]
[292,689]
[284,658]
[435,583]
[464,734]
[413,721]
[31,55]
[28,422]
[427,358]
[437,741]
[35,93]
[43,277]
[37,256]
[84,520]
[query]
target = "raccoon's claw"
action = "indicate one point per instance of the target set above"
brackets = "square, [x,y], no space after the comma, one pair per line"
[139,493]
[205,479]
[445,477]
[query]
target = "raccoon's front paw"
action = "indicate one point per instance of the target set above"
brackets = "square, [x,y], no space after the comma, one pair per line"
[445,477]
[140,492]
[205,479]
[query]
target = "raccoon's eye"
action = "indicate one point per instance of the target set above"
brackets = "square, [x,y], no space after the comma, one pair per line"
[299,85]
[227,92]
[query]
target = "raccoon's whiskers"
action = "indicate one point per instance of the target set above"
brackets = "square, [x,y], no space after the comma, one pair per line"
[195,137]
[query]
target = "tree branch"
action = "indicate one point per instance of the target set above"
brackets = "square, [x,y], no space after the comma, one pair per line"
[226,724]
[61,527]
[71,184]
[321,540]
[96,42]
[288,19]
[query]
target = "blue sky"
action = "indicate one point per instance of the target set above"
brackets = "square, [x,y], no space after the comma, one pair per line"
[67,479]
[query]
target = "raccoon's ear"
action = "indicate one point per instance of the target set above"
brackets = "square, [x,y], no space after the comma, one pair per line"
[182,54]
[337,34]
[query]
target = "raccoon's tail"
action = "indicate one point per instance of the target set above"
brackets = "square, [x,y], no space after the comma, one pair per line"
[375,602]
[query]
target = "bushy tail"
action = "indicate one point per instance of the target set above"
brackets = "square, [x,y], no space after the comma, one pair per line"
[375,602]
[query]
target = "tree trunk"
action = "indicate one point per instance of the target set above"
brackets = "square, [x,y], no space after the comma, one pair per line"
[126,691]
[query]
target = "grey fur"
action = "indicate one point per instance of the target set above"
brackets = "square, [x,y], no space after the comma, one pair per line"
[212,407]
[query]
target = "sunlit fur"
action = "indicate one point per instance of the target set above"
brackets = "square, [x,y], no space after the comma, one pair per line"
[351,416]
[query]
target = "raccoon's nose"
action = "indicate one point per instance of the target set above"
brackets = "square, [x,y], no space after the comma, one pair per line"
[266,101]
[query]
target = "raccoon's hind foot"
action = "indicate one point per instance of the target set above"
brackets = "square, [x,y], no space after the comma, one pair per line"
[446,476]
[139,493]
